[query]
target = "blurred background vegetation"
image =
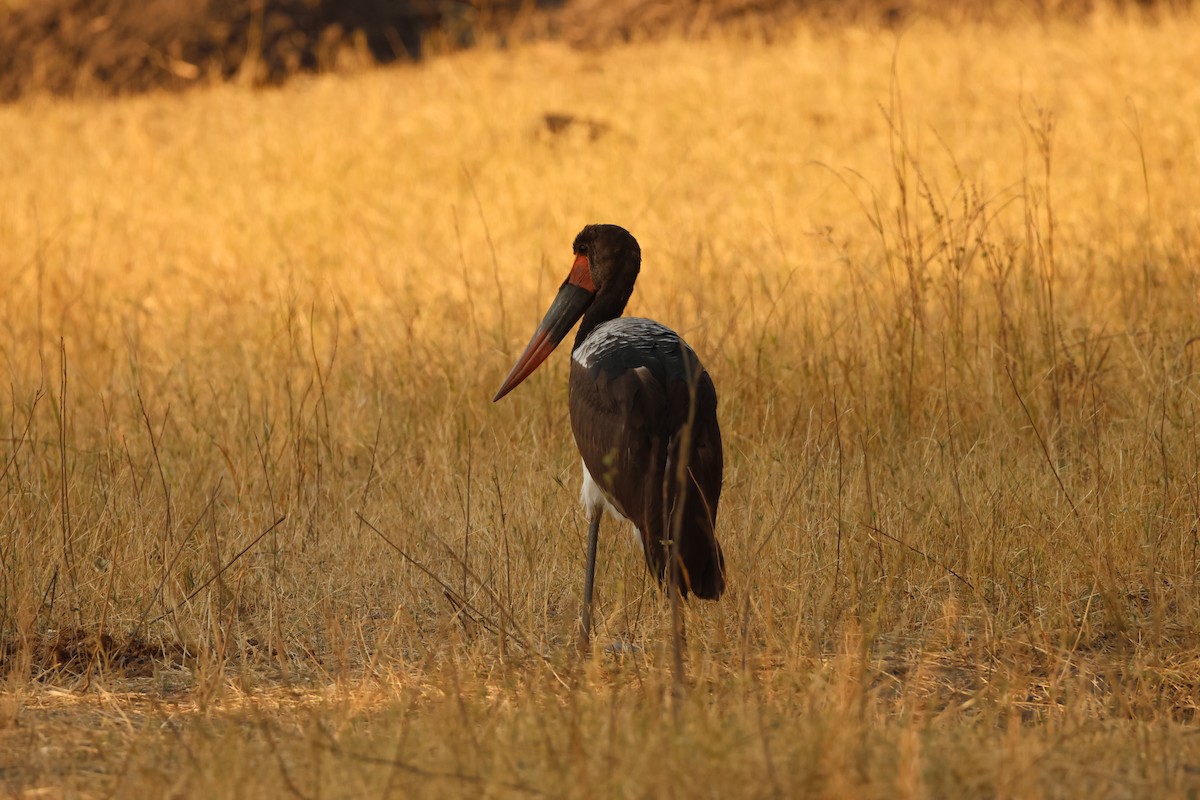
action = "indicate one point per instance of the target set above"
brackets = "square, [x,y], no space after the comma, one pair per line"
[72,47]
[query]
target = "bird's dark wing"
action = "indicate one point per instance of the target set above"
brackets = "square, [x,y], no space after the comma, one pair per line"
[628,426]
[703,562]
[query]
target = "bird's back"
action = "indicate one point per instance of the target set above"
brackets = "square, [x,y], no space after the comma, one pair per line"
[634,384]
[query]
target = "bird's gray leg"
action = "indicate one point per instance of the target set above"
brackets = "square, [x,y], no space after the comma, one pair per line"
[589,580]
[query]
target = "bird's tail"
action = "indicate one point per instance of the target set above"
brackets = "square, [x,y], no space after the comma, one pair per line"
[700,568]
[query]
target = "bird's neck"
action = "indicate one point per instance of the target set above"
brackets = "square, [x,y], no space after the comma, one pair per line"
[606,306]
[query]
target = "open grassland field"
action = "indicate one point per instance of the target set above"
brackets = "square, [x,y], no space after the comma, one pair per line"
[263,533]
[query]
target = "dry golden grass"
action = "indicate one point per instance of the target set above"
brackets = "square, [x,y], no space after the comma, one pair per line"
[946,286]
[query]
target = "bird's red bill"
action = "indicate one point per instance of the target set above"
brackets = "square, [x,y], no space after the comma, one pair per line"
[540,346]
[573,298]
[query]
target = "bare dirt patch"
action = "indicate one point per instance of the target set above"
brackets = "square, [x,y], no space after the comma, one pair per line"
[76,651]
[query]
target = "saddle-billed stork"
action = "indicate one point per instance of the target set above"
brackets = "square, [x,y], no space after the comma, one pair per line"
[644,415]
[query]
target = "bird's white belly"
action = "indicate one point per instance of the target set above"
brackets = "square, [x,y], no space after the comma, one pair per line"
[594,499]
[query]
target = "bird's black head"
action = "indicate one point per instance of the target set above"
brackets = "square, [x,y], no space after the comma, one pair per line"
[607,260]
[613,255]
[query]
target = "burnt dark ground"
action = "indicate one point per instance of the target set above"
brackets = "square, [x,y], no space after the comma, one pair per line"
[65,47]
